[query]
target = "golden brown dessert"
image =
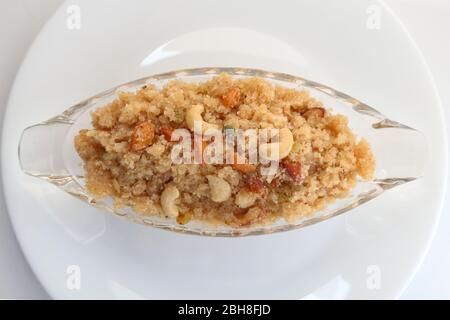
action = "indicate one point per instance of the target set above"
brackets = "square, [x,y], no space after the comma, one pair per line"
[128,153]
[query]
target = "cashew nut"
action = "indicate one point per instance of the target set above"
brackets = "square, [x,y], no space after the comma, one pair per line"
[284,146]
[194,115]
[220,189]
[245,199]
[168,197]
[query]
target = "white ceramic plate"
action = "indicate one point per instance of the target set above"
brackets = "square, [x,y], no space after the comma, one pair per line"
[370,252]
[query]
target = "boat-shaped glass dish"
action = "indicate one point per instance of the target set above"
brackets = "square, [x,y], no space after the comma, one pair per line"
[47,151]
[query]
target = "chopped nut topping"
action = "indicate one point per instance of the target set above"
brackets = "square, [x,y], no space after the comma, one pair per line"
[184,218]
[293,169]
[243,167]
[167,133]
[320,112]
[232,98]
[142,136]
[254,184]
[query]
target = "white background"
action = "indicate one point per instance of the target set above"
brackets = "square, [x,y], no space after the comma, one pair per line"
[428,21]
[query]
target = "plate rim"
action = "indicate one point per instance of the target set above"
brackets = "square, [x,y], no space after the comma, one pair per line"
[445,181]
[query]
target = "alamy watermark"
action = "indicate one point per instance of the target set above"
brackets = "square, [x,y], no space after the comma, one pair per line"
[73,280]
[373,21]
[231,146]
[373,281]
[73,21]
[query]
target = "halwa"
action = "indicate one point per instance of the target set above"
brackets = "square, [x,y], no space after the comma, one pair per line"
[128,153]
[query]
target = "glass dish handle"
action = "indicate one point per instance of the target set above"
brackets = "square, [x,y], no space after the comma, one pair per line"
[41,154]
[40,149]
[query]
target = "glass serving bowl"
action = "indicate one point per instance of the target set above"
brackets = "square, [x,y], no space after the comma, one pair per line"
[46,150]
